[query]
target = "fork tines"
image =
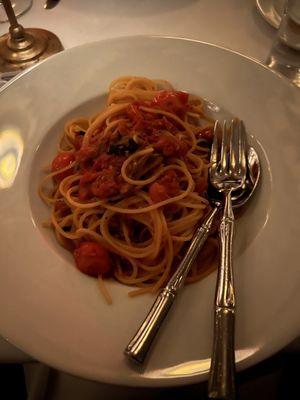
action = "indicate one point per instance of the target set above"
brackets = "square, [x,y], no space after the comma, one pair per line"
[229,158]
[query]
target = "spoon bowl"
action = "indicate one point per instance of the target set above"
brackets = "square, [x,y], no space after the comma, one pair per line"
[241,196]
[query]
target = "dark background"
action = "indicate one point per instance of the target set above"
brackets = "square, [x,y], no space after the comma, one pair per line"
[276,378]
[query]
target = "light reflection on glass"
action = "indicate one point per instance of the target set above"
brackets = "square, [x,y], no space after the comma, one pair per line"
[11,151]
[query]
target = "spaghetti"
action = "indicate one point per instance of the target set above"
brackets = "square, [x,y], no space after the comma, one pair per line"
[127,187]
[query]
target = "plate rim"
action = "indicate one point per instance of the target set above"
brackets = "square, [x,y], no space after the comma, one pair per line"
[143,36]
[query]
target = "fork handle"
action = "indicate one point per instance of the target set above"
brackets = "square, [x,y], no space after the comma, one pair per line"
[222,371]
[140,344]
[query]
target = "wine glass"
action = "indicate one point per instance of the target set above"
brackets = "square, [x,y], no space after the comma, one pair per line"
[19,6]
[285,52]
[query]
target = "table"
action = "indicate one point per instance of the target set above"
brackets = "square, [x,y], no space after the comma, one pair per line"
[234,24]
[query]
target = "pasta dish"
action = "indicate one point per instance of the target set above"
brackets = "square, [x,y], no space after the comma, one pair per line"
[127,187]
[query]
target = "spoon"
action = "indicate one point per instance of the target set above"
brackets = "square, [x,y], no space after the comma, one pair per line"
[138,347]
[240,196]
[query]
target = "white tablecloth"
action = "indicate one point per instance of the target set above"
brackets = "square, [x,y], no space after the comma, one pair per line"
[234,24]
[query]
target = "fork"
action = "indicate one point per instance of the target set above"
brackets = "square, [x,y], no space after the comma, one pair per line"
[227,173]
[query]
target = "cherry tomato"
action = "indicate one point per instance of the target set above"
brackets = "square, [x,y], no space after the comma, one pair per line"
[171,101]
[61,161]
[171,146]
[105,161]
[158,192]
[85,192]
[170,181]
[92,259]
[201,186]
[207,133]
[166,187]
[86,153]
[183,96]
[105,185]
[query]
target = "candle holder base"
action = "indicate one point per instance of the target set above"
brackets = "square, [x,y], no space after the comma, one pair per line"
[22,48]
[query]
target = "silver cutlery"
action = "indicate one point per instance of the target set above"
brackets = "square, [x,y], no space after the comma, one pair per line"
[227,174]
[139,345]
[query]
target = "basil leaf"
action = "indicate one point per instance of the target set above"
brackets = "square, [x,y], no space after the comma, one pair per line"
[123,149]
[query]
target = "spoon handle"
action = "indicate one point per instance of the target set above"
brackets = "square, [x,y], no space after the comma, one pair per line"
[139,345]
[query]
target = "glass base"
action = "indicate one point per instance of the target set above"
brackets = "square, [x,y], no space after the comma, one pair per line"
[20,7]
[286,61]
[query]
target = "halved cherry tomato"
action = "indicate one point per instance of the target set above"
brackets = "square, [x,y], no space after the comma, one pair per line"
[158,192]
[61,161]
[105,185]
[84,191]
[207,133]
[170,181]
[201,186]
[171,146]
[86,153]
[105,161]
[173,101]
[165,188]
[92,259]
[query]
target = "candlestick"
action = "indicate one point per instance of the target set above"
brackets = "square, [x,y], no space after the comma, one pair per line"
[23,47]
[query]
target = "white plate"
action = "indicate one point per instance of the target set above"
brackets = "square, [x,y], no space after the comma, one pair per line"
[271,10]
[53,312]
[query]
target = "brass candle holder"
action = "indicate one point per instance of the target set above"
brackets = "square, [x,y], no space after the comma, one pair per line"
[23,47]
